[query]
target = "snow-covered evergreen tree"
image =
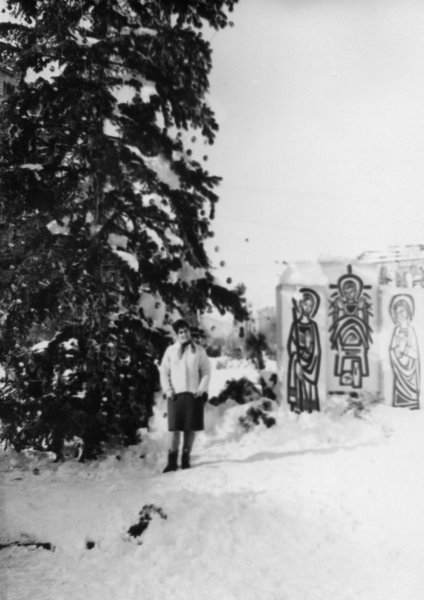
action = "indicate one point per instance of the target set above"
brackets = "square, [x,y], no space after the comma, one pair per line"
[105,211]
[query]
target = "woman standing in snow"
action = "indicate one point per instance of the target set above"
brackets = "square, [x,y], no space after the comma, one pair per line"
[185,375]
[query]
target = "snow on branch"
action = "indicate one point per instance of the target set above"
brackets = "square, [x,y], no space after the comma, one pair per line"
[50,72]
[111,129]
[32,166]
[159,165]
[130,259]
[59,229]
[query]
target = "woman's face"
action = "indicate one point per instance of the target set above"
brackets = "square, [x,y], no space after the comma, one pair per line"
[183,334]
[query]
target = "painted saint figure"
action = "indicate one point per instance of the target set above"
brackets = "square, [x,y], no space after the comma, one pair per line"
[304,350]
[350,332]
[404,354]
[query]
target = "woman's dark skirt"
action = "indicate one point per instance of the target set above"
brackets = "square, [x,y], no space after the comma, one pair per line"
[185,413]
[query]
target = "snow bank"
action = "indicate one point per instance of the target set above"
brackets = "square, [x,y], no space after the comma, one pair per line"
[319,506]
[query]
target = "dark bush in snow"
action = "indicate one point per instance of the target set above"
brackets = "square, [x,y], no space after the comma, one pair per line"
[145,516]
[244,391]
[81,386]
[255,415]
[255,347]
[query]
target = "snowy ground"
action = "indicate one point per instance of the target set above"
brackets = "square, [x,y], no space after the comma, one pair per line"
[320,507]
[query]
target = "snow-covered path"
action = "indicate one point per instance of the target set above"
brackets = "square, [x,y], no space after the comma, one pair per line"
[317,508]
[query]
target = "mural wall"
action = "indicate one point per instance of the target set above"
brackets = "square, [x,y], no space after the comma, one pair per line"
[349,329]
[401,346]
[304,350]
[404,353]
[302,341]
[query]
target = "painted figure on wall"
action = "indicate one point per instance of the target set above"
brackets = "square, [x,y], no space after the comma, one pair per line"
[304,349]
[350,331]
[404,354]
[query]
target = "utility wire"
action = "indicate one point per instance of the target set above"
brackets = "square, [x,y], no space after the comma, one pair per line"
[280,226]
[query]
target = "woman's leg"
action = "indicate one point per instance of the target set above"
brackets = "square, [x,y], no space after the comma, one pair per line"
[174,441]
[188,441]
[187,446]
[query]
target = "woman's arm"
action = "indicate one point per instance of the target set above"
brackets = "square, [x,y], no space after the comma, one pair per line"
[165,374]
[204,372]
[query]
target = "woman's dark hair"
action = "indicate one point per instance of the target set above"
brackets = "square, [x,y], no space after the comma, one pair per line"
[180,324]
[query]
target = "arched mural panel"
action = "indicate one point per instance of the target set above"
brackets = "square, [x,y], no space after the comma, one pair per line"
[404,353]
[304,339]
[304,353]
[401,347]
[350,332]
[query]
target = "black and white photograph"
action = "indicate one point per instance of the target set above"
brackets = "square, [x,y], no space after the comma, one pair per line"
[211,299]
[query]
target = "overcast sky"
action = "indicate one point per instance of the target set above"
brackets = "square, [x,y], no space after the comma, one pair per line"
[321,147]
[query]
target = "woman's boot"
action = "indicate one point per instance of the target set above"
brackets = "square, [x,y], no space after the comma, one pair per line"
[185,460]
[172,462]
